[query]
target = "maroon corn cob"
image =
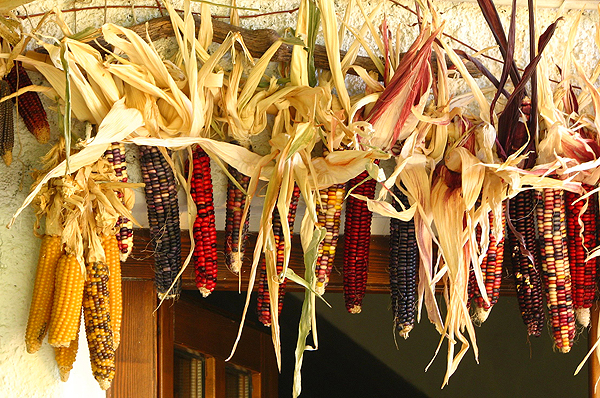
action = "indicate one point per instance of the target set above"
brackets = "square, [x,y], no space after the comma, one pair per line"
[205,232]
[491,269]
[404,262]
[29,104]
[163,219]
[236,202]
[7,130]
[527,275]
[115,154]
[357,239]
[555,264]
[263,307]
[580,241]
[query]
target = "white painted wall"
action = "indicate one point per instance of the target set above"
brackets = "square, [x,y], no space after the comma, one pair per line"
[25,375]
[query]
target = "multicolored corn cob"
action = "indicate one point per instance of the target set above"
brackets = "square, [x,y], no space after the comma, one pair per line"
[111,250]
[525,268]
[115,154]
[236,202]
[491,269]
[555,264]
[357,238]
[581,239]
[7,129]
[66,307]
[205,231]
[43,292]
[163,219]
[329,214]
[264,306]
[98,329]
[29,104]
[404,262]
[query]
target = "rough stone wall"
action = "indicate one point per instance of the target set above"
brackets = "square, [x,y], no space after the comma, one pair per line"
[24,375]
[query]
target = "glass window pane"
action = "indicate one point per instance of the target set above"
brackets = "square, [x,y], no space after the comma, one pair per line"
[188,375]
[238,382]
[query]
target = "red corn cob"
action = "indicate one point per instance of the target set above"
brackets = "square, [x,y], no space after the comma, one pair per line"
[205,232]
[236,202]
[555,264]
[581,240]
[357,241]
[263,307]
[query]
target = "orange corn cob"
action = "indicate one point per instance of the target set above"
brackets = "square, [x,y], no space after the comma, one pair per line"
[65,356]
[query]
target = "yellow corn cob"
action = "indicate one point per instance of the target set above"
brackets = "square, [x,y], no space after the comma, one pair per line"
[43,293]
[66,308]
[65,356]
[96,313]
[111,249]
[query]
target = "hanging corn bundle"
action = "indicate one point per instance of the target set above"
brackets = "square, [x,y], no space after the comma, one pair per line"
[236,231]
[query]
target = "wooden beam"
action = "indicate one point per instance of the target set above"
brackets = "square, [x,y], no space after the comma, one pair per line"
[140,263]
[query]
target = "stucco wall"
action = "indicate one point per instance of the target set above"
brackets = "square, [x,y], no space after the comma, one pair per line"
[24,375]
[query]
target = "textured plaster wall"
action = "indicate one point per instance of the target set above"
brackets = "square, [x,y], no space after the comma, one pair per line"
[25,375]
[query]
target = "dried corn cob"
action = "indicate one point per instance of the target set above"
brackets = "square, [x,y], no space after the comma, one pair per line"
[236,202]
[163,218]
[555,265]
[527,274]
[205,232]
[65,356]
[7,129]
[357,239]
[43,293]
[115,154]
[329,215]
[111,249]
[404,260]
[581,240]
[491,269]
[29,104]
[264,306]
[98,330]
[68,296]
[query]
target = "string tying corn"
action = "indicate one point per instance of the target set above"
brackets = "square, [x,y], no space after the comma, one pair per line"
[581,238]
[357,237]
[236,202]
[491,269]
[29,104]
[525,268]
[329,216]
[404,261]
[115,154]
[163,219]
[263,307]
[555,264]
[205,232]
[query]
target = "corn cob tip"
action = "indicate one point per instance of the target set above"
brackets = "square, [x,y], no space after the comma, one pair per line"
[104,384]
[33,346]
[405,331]
[204,291]
[42,134]
[7,157]
[163,296]
[481,314]
[320,290]
[64,374]
[355,309]
[235,259]
[565,349]
[583,316]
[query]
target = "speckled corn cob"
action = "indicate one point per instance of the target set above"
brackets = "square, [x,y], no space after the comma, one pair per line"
[357,239]
[163,219]
[527,274]
[583,273]
[236,202]
[205,232]
[115,154]
[29,104]
[555,265]
[329,216]
[491,269]
[264,306]
[66,307]
[7,129]
[111,249]
[404,260]
[43,292]
[98,329]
